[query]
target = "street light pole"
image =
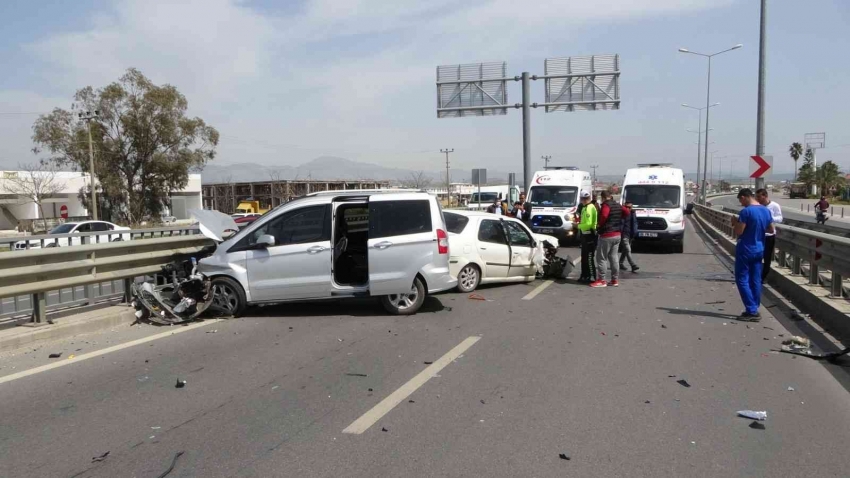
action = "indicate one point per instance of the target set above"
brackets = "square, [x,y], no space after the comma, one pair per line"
[762,73]
[700,131]
[707,104]
[448,180]
[87,117]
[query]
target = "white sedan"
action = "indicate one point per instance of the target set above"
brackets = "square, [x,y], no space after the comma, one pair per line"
[485,248]
[76,228]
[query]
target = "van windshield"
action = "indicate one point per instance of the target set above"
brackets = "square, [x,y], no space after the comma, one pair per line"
[553,196]
[485,197]
[651,195]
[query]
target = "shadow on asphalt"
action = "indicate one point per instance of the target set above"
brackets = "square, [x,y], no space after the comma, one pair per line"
[701,313]
[366,307]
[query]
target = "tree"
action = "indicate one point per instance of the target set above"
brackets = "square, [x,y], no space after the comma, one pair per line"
[416,180]
[829,177]
[35,183]
[795,150]
[144,143]
[807,170]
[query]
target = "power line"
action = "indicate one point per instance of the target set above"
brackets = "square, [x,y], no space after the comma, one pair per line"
[594,174]
[448,178]
[546,161]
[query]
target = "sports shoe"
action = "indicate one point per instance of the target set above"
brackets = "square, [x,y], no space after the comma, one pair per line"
[635,269]
[614,283]
[599,283]
[622,267]
[749,317]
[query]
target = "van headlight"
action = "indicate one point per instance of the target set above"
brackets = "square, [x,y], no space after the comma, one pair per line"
[676,218]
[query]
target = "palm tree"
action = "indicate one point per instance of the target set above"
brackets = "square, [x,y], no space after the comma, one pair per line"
[829,176]
[796,150]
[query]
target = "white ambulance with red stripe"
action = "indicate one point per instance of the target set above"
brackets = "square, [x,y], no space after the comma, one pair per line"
[657,194]
[553,197]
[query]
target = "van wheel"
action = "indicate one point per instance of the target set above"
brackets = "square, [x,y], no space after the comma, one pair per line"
[228,296]
[408,303]
[468,278]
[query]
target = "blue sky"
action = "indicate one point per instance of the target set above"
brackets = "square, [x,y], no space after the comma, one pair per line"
[285,82]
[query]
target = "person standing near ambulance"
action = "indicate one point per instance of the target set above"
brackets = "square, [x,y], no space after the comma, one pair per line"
[587,234]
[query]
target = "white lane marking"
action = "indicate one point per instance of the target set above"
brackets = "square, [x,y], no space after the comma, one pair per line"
[537,290]
[98,353]
[378,411]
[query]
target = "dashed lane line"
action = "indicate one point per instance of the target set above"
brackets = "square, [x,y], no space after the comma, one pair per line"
[537,290]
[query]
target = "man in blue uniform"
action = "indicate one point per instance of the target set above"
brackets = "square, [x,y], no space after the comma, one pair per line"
[750,226]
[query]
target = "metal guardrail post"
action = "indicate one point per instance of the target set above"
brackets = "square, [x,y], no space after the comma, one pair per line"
[128,290]
[797,265]
[814,279]
[836,289]
[781,258]
[39,308]
[90,289]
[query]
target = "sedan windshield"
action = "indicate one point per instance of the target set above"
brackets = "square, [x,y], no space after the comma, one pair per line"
[649,195]
[63,228]
[553,196]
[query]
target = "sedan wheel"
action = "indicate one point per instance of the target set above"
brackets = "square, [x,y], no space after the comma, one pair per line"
[228,296]
[468,278]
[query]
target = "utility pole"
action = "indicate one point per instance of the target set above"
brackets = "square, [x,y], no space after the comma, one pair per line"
[87,117]
[546,161]
[594,175]
[448,180]
[762,68]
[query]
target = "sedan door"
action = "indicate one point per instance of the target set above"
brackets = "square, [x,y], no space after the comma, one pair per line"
[522,250]
[493,249]
[298,265]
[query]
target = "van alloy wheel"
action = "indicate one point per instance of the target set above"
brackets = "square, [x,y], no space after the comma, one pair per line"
[404,301]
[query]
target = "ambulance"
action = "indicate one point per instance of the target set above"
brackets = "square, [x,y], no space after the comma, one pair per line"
[657,194]
[553,196]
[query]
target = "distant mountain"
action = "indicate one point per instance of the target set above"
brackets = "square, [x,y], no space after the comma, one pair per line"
[329,168]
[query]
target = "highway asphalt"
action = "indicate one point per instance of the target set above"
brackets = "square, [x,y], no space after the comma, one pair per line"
[499,387]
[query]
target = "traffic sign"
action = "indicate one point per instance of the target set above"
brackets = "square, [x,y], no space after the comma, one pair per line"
[760,165]
[63,211]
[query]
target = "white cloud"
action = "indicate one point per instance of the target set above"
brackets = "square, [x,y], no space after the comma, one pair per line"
[273,77]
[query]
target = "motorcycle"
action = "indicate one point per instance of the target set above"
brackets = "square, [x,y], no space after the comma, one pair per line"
[820,216]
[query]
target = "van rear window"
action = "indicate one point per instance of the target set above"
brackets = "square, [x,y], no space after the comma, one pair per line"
[399,218]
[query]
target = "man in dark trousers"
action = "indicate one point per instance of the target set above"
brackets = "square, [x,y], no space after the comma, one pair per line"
[587,234]
[750,226]
[769,239]
[607,250]
[628,231]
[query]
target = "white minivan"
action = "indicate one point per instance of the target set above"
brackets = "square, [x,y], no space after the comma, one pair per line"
[489,194]
[553,197]
[337,244]
[657,193]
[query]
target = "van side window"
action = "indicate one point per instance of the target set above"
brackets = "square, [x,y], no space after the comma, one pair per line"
[301,226]
[399,218]
[491,231]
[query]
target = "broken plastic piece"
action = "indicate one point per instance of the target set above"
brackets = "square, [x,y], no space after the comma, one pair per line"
[476,297]
[563,456]
[757,425]
[683,383]
[663,326]
[427,363]
[180,383]
[356,374]
[752,414]
[55,355]
[99,458]
[384,429]
[790,389]
[797,342]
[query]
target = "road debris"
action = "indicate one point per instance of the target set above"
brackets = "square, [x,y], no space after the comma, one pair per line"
[384,429]
[790,389]
[752,414]
[757,426]
[55,355]
[797,342]
[830,356]
[212,331]
[647,401]
[663,326]
[427,363]
[173,463]
[683,383]
[71,356]
[411,401]
[476,297]
[95,459]
[564,456]
[482,402]
[180,383]
[356,374]
[371,390]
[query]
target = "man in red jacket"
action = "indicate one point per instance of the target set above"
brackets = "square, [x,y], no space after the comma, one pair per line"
[607,250]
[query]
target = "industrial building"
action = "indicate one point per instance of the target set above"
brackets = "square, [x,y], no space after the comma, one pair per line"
[225,196]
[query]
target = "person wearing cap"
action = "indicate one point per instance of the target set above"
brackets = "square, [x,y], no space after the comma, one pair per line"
[587,233]
[750,225]
[628,231]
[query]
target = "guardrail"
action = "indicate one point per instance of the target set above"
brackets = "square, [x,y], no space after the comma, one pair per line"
[823,257]
[36,273]
[812,226]
[43,240]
